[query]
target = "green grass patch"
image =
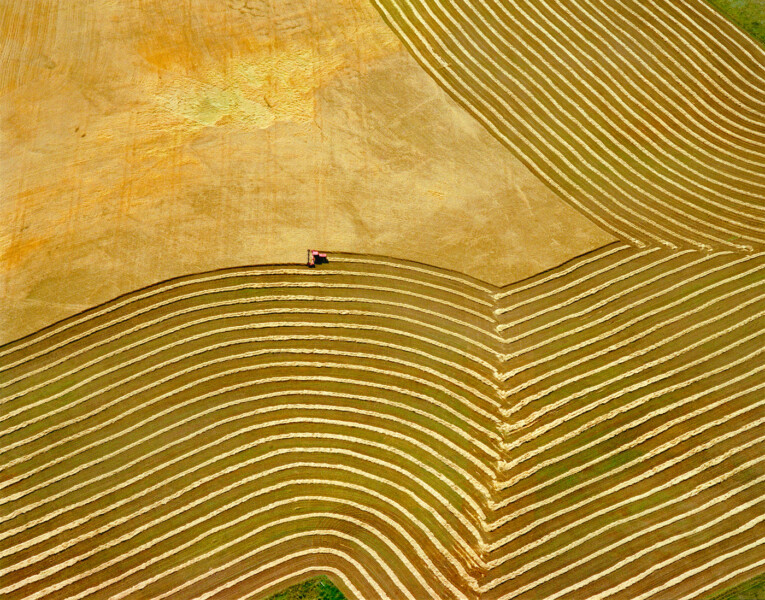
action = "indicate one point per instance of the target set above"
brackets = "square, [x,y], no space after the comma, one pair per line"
[747,14]
[318,588]
[754,589]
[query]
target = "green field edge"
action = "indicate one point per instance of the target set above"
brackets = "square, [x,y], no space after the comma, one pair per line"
[748,15]
[316,588]
[753,589]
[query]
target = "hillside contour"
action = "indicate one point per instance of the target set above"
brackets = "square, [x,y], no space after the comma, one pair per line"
[592,432]
[647,117]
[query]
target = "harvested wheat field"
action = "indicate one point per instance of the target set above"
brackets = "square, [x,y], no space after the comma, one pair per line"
[409,431]
[532,367]
[648,118]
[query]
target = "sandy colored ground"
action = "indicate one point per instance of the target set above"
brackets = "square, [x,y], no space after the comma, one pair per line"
[146,139]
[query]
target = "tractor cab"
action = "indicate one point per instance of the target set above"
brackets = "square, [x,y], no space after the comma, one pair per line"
[316,258]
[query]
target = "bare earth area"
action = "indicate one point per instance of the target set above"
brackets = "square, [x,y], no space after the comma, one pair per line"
[147,140]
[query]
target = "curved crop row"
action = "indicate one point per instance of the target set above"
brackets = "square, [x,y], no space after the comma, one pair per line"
[410,432]
[341,419]
[649,119]
[633,435]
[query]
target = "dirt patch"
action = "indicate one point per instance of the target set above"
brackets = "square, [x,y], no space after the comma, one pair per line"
[146,140]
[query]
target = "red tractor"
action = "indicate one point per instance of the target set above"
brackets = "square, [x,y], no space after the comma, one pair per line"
[316,258]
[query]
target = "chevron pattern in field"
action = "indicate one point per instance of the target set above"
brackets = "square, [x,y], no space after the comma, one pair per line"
[648,117]
[410,432]
[634,428]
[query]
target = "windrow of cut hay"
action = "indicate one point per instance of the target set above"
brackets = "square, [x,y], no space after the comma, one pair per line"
[217,434]
[634,428]
[594,431]
[649,118]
